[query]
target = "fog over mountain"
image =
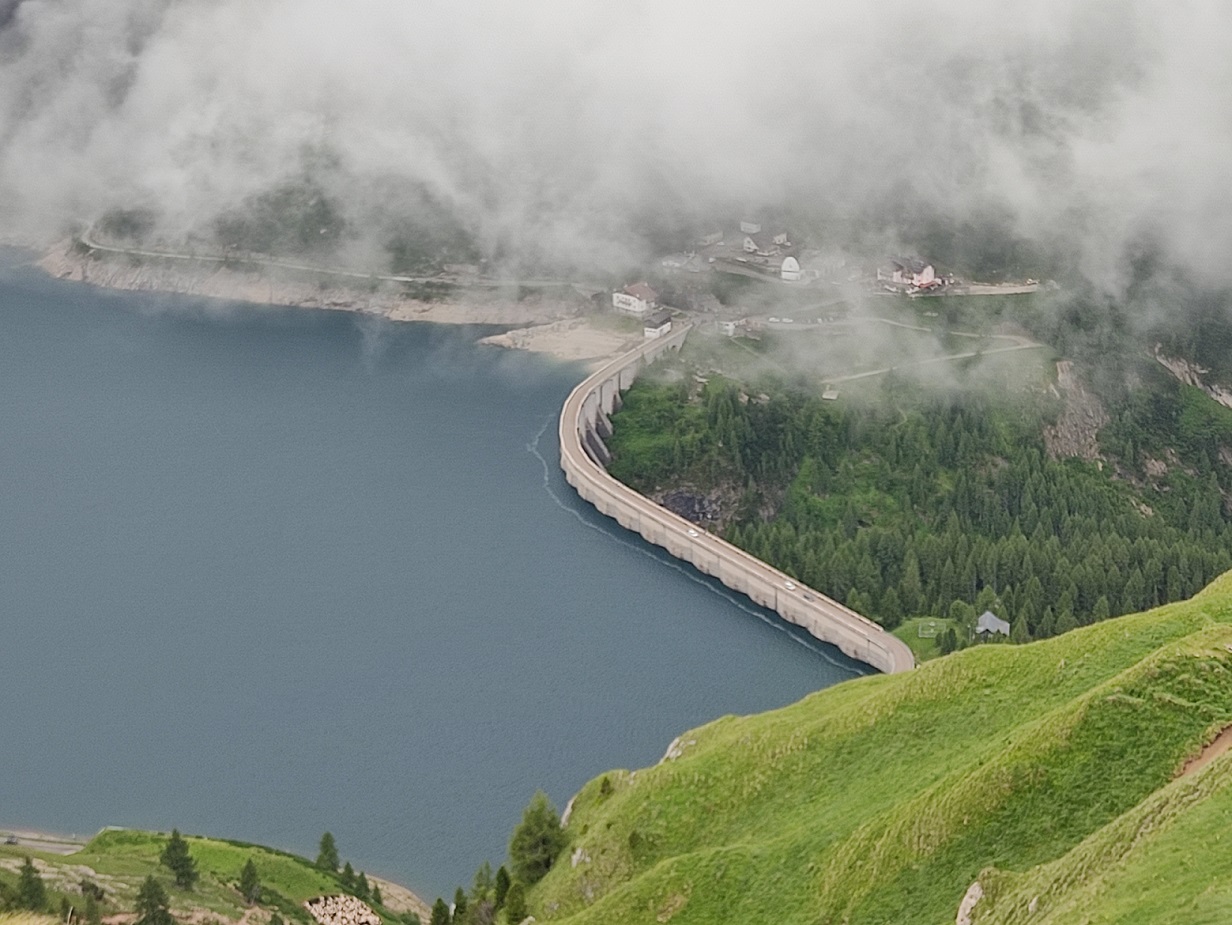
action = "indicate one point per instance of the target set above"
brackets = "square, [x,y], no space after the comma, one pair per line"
[1098,129]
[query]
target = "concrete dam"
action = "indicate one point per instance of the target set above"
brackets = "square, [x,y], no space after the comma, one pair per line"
[585,425]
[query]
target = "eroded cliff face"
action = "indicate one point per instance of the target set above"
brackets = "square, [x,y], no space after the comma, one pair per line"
[1076,432]
[1192,374]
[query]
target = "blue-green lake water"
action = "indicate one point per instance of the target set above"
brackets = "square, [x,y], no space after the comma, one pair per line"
[267,572]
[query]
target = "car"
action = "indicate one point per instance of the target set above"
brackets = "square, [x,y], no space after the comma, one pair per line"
[693,533]
[11,840]
[789,585]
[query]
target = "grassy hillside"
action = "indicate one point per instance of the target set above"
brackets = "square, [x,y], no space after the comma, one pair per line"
[119,860]
[1048,771]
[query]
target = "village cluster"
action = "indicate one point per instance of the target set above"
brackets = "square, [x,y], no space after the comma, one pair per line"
[749,250]
[773,257]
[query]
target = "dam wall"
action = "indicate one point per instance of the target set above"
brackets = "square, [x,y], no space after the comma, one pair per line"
[584,426]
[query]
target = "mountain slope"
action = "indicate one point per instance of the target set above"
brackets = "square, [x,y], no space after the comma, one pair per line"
[883,799]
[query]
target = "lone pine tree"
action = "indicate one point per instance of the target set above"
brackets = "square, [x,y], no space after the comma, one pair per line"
[176,858]
[250,883]
[327,853]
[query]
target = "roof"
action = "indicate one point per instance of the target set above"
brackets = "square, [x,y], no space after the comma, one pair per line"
[642,291]
[657,319]
[989,622]
[910,264]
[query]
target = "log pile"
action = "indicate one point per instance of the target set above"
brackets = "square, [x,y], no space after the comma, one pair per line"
[341,910]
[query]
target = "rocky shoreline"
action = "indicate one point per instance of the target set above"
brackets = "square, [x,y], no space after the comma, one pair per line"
[548,323]
[65,260]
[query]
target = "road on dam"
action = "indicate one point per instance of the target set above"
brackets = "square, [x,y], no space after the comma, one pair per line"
[584,423]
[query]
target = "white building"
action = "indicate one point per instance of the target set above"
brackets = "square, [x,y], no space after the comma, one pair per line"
[637,299]
[730,328]
[750,227]
[790,271]
[909,272]
[657,324]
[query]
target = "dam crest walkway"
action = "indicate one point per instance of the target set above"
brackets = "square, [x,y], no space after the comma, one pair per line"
[584,426]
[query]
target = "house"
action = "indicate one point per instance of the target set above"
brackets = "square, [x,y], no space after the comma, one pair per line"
[731,328]
[781,239]
[790,271]
[748,227]
[909,271]
[636,299]
[657,324]
[989,625]
[762,246]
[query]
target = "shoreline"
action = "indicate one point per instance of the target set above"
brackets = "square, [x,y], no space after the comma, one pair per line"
[46,842]
[555,325]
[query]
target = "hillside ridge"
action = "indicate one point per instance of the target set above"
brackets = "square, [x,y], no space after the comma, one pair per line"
[884,799]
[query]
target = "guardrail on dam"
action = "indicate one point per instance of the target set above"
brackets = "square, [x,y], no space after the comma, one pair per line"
[584,425]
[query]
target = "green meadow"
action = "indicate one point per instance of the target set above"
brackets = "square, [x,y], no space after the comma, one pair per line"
[1049,772]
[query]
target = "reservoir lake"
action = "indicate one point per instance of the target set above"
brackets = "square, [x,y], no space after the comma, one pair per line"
[266,572]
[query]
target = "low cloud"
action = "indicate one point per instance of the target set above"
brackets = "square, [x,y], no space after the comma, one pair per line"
[1089,129]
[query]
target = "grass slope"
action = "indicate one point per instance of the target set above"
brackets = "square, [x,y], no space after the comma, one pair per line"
[118,860]
[882,799]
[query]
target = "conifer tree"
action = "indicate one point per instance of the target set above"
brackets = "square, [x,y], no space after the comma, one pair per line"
[536,841]
[948,641]
[1019,632]
[501,886]
[176,858]
[347,877]
[92,915]
[482,886]
[440,913]
[376,895]
[1101,610]
[515,904]
[31,892]
[362,889]
[153,904]
[327,854]
[459,906]
[250,883]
